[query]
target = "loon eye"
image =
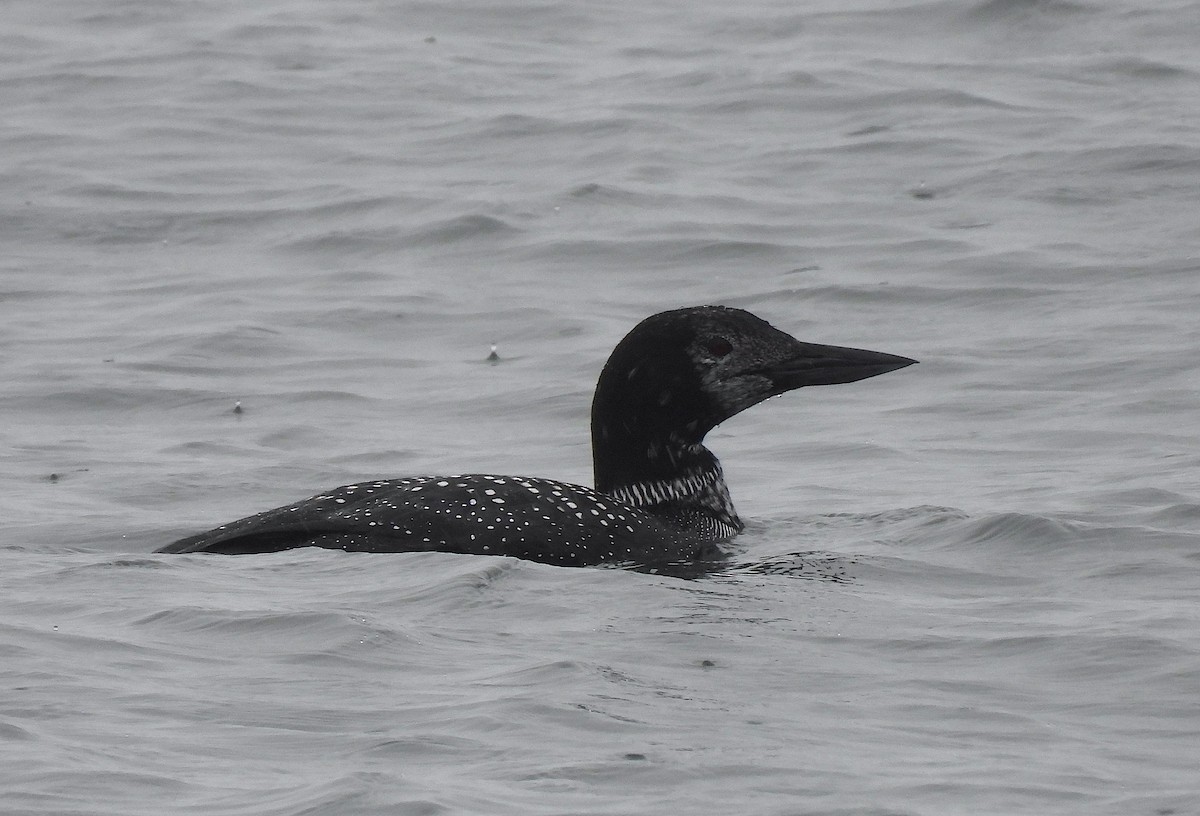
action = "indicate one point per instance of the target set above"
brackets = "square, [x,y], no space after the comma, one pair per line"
[718,347]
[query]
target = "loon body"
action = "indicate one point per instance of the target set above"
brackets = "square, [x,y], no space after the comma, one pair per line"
[660,495]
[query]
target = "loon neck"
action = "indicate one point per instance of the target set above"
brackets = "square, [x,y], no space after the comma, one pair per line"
[682,484]
[652,407]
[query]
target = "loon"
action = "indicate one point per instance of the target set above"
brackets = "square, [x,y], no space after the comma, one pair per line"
[660,495]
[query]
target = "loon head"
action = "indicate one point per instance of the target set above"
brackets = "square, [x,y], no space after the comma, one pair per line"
[678,374]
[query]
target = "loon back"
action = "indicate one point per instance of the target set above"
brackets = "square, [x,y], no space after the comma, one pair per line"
[660,495]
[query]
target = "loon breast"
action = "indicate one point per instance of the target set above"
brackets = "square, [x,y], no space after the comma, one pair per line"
[660,495]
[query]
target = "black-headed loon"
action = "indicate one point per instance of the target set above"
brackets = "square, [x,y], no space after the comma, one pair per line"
[660,496]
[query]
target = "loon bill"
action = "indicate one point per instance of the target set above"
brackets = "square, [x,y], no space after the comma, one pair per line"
[660,495]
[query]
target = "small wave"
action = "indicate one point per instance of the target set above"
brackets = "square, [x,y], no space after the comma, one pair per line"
[90,399]
[725,250]
[593,192]
[14,733]
[460,228]
[1183,514]
[347,242]
[1025,9]
[119,563]
[1141,68]
[939,98]
[239,623]
[1023,530]
[898,295]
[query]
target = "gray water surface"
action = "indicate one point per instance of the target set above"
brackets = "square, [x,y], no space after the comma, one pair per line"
[967,587]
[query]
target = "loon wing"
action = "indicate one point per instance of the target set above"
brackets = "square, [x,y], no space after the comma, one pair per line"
[539,519]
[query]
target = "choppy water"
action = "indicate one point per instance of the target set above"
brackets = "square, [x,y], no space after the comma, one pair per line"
[968,587]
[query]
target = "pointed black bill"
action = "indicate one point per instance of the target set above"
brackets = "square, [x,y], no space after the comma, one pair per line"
[816,364]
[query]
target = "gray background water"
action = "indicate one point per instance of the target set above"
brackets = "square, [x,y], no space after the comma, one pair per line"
[968,587]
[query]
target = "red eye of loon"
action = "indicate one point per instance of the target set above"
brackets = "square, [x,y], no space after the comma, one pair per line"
[718,346]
